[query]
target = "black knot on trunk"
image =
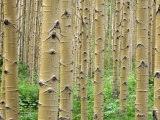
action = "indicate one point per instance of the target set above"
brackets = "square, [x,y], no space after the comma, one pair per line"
[54,78]
[41,83]
[67,88]
[50,90]
[95,116]
[157,74]
[6,22]
[143,64]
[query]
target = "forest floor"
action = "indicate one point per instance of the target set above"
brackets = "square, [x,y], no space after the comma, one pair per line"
[29,97]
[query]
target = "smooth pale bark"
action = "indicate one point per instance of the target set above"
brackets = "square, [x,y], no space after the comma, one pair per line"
[49,64]
[156,109]
[18,6]
[116,47]
[31,42]
[80,12]
[39,36]
[149,37]
[84,60]
[91,24]
[2,98]
[106,15]
[153,33]
[36,37]
[26,36]
[74,38]
[66,61]
[1,41]
[110,37]
[134,28]
[124,56]
[35,31]
[23,27]
[130,38]
[141,108]
[2,102]
[99,59]
[11,60]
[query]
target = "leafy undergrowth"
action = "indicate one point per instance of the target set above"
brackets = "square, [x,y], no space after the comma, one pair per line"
[29,98]
[28,95]
[111,106]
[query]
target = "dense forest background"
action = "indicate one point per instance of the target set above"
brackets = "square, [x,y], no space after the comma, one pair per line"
[79,59]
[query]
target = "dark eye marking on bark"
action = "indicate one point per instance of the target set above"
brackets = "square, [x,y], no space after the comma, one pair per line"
[6,72]
[97,70]
[157,74]
[95,116]
[67,88]
[6,22]
[56,26]
[143,64]
[66,13]
[53,36]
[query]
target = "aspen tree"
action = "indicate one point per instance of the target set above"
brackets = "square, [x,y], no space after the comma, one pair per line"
[23,28]
[26,39]
[153,33]
[49,64]
[80,12]
[141,103]
[2,100]
[18,11]
[32,42]
[19,27]
[156,109]
[116,47]
[132,34]
[124,56]
[39,37]
[66,61]
[99,59]
[1,41]
[110,37]
[75,37]
[91,9]
[91,42]
[84,59]
[106,15]
[11,60]
[131,45]
[133,19]
[36,33]
[149,38]
[35,29]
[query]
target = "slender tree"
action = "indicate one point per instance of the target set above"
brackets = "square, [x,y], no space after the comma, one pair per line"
[156,110]
[2,98]
[116,47]
[153,33]
[149,37]
[124,56]
[110,37]
[99,58]
[1,41]
[79,49]
[49,64]
[66,61]
[142,61]
[11,60]
[84,60]
[2,102]
[26,38]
